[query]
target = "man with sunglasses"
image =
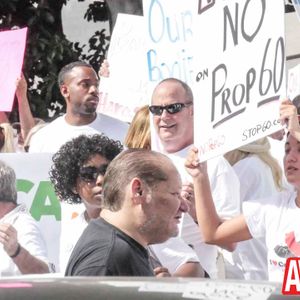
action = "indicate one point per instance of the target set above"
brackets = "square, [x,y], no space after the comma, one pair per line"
[78,83]
[173,134]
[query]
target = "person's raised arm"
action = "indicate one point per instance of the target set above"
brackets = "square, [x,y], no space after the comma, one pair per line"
[214,230]
[289,116]
[25,115]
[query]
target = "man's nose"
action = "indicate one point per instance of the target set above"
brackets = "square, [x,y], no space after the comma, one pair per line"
[291,156]
[94,89]
[165,114]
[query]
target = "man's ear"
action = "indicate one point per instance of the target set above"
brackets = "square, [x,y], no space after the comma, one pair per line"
[64,90]
[137,191]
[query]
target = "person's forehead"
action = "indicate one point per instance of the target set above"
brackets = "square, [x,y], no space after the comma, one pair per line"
[81,73]
[170,92]
[291,141]
[96,159]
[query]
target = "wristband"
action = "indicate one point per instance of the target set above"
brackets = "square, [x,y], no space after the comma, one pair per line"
[17,252]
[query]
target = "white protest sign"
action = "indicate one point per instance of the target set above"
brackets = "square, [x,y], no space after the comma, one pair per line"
[293,89]
[296,4]
[240,73]
[125,89]
[169,35]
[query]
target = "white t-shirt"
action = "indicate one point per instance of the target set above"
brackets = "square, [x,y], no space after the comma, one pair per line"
[29,237]
[225,189]
[173,253]
[51,137]
[277,219]
[70,233]
[257,182]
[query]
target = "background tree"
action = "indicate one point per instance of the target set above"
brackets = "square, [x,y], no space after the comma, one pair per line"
[48,50]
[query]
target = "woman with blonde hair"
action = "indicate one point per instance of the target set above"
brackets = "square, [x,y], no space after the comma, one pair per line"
[7,138]
[138,134]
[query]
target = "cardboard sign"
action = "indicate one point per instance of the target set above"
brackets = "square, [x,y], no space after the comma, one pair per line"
[125,89]
[12,47]
[170,34]
[240,73]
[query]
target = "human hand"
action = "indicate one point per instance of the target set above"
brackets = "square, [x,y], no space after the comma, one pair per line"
[104,69]
[289,116]
[21,87]
[161,272]
[187,193]
[9,238]
[193,165]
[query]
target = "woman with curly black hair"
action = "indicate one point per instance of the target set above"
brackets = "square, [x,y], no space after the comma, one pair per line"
[77,175]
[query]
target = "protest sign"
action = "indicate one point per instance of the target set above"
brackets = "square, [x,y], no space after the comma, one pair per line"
[240,73]
[169,33]
[124,91]
[12,47]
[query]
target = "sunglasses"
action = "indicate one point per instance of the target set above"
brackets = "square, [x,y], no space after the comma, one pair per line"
[90,174]
[174,108]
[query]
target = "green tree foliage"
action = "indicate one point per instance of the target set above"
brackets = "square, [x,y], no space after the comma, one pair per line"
[47,49]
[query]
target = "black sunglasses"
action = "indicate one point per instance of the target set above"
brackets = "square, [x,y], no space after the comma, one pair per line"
[90,174]
[174,108]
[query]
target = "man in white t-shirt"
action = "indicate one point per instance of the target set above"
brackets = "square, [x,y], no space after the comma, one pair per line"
[22,247]
[78,83]
[173,122]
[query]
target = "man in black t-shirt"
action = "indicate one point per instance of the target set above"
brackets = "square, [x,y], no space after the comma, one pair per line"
[141,206]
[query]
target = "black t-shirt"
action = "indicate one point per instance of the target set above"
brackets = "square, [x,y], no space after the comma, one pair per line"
[104,250]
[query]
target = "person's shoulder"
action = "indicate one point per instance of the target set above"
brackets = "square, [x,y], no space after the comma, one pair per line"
[275,202]
[251,163]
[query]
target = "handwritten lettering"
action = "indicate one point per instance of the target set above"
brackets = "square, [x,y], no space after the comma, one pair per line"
[212,144]
[228,102]
[233,24]
[259,128]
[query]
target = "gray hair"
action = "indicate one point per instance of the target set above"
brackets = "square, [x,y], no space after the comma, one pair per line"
[8,190]
[144,164]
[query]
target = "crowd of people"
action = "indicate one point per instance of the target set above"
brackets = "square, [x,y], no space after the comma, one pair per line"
[149,208]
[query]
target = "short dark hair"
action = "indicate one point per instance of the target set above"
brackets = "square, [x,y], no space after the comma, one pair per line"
[72,155]
[68,68]
[8,189]
[186,87]
[141,163]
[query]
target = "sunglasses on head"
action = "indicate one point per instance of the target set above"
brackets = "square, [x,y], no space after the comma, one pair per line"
[174,108]
[90,174]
